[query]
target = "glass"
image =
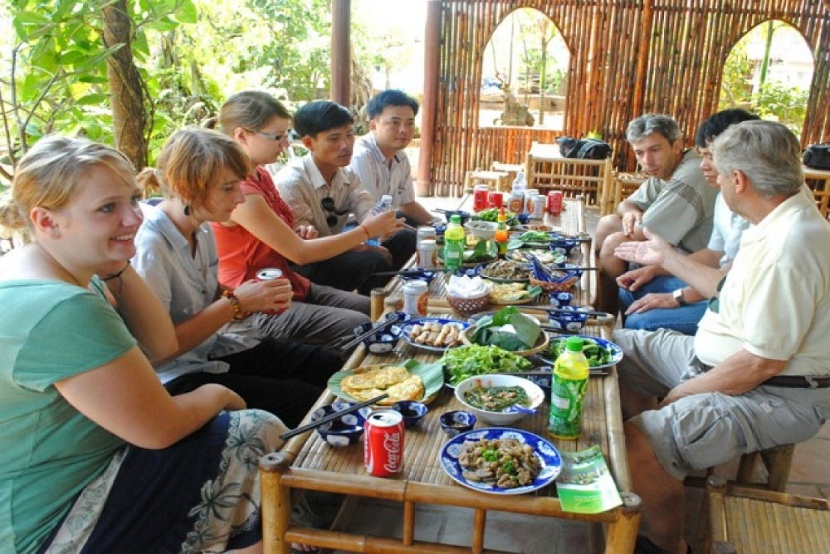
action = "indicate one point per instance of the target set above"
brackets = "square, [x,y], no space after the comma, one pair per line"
[327,204]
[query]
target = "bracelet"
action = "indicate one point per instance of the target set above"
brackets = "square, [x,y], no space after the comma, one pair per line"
[117,275]
[366,230]
[235,305]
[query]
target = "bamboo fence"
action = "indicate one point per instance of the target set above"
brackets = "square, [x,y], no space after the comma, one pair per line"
[628,57]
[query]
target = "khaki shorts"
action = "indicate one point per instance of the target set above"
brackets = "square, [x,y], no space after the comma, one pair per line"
[705,430]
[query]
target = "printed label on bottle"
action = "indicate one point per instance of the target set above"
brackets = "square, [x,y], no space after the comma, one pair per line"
[565,419]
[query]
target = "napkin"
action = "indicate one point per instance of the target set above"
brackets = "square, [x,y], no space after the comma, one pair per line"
[468,287]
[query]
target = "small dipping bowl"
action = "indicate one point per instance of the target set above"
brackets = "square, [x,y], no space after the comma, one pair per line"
[570,320]
[563,246]
[422,275]
[382,341]
[463,215]
[560,299]
[412,411]
[344,430]
[456,422]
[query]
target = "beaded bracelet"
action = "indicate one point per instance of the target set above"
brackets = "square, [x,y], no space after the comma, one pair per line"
[366,230]
[235,305]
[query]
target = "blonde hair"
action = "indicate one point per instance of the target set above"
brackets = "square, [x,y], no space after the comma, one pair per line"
[250,109]
[191,160]
[50,173]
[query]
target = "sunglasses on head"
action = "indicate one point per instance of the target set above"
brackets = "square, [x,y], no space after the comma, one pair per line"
[327,204]
[286,135]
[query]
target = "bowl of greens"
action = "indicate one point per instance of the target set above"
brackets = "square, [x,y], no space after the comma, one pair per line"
[508,329]
[499,399]
[467,361]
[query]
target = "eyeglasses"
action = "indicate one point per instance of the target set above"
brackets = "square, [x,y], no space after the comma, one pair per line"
[327,204]
[278,138]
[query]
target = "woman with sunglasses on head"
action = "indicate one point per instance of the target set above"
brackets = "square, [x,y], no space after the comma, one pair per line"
[95,455]
[260,233]
[199,171]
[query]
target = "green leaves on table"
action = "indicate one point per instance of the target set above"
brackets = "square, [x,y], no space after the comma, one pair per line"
[466,361]
[490,329]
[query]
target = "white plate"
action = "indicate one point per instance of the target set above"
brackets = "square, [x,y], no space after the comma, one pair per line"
[407,330]
[550,459]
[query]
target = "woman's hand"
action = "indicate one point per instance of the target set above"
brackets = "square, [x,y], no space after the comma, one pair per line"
[382,224]
[307,232]
[235,402]
[264,296]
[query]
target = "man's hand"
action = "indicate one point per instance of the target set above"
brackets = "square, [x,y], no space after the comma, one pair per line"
[307,232]
[652,251]
[630,220]
[651,301]
[636,278]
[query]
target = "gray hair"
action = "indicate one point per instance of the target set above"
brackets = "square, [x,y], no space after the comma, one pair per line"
[651,123]
[767,152]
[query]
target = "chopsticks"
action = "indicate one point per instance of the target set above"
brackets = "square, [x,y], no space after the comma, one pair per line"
[357,340]
[563,311]
[314,424]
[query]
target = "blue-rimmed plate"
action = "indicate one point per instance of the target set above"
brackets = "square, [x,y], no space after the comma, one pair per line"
[549,458]
[615,353]
[406,333]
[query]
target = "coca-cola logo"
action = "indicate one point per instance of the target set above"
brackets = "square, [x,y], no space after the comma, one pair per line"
[392,445]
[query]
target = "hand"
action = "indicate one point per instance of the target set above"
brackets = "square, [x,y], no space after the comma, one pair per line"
[636,278]
[630,220]
[383,224]
[649,252]
[651,301]
[235,402]
[263,296]
[307,232]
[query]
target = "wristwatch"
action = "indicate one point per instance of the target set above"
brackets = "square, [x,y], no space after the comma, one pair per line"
[678,297]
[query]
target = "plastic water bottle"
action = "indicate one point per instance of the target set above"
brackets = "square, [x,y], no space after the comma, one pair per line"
[454,244]
[569,383]
[383,205]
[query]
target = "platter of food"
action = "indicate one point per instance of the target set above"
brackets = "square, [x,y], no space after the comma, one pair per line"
[409,380]
[600,352]
[505,271]
[544,255]
[501,461]
[433,333]
[508,294]
[466,361]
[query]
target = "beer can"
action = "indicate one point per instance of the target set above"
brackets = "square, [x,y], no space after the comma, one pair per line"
[269,274]
[538,206]
[383,443]
[554,206]
[480,195]
[426,232]
[426,253]
[415,297]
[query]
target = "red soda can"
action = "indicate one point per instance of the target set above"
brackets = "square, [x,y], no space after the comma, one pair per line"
[383,443]
[480,193]
[495,200]
[554,202]
[268,274]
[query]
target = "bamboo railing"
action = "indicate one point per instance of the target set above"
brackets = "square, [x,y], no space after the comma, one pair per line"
[628,57]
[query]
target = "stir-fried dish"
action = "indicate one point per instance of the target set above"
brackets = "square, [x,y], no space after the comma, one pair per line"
[507,463]
[496,399]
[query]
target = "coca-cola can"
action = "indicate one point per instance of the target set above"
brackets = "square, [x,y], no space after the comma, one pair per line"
[383,443]
[269,274]
[554,206]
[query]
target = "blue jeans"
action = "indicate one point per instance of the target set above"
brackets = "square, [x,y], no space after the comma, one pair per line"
[683,319]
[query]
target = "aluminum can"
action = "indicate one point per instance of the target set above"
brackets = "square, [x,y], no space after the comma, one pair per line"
[426,232]
[554,206]
[383,443]
[495,199]
[427,253]
[538,206]
[415,297]
[480,195]
[269,274]
[529,199]
[516,201]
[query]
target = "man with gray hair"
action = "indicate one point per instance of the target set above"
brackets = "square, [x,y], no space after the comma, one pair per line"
[757,373]
[675,202]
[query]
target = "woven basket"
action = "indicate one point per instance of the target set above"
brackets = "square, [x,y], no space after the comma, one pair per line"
[469,306]
[555,286]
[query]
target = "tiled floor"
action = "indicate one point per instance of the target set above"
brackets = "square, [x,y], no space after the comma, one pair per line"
[530,535]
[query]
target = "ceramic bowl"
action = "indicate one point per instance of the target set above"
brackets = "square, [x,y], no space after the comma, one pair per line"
[412,411]
[560,299]
[345,430]
[382,341]
[563,246]
[456,422]
[482,229]
[572,319]
[463,215]
[422,274]
[534,393]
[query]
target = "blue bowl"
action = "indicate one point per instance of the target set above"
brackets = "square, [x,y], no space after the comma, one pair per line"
[344,430]
[463,215]
[560,299]
[422,274]
[382,341]
[570,320]
[563,246]
[456,422]
[412,411]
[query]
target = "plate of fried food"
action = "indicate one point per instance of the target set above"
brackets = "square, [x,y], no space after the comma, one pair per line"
[506,271]
[409,380]
[433,333]
[498,460]
[508,294]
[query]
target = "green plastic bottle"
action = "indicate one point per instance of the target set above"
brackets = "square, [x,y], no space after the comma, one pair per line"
[454,244]
[567,391]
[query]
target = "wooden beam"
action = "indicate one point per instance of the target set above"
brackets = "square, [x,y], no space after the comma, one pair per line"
[429,106]
[341,52]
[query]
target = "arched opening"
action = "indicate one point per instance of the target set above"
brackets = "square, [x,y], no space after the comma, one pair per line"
[524,73]
[769,72]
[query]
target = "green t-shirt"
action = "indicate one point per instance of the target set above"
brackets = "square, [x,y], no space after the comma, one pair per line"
[48,450]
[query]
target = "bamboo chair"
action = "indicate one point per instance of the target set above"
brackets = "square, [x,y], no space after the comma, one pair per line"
[766,469]
[740,520]
[511,169]
[624,186]
[496,180]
